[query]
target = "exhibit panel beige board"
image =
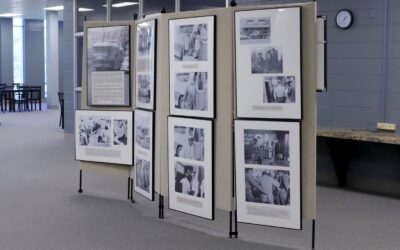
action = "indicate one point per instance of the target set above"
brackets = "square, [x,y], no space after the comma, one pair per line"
[309,103]
[114,169]
[223,131]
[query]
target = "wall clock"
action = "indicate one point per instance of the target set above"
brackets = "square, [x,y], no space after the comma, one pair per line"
[344,19]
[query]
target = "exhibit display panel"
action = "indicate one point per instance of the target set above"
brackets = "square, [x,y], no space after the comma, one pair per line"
[108,68]
[190,166]
[268,63]
[191,62]
[143,153]
[267,173]
[104,136]
[145,64]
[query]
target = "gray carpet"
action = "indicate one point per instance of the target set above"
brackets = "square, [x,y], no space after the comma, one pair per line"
[40,207]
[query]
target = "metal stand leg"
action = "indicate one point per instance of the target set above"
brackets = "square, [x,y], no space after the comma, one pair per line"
[161,207]
[234,216]
[80,181]
[129,188]
[313,235]
[132,191]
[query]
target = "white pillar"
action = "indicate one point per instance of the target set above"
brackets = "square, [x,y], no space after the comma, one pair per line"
[52,58]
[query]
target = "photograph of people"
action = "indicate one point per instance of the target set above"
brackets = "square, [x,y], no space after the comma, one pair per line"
[189,179]
[144,90]
[120,132]
[191,42]
[189,143]
[279,89]
[95,131]
[143,130]
[191,91]
[144,39]
[267,186]
[266,147]
[266,60]
[143,174]
[255,30]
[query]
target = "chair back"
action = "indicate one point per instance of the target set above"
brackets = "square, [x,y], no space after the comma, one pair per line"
[36,92]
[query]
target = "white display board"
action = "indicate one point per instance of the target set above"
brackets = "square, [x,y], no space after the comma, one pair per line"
[268,63]
[268,173]
[104,136]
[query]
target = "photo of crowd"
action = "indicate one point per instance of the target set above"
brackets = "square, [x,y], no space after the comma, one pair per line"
[267,186]
[143,130]
[266,147]
[120,128]
[144,89]
[142,174]
[191,42]
[266,60]
[279,89]
[189,143]
[144,39]
[189,179]
[255,30]
[95,131]
[191,91]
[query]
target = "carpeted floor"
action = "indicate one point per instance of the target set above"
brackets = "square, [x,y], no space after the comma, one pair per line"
[40,207]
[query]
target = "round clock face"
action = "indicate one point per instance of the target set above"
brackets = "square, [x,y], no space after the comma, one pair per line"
[344,19]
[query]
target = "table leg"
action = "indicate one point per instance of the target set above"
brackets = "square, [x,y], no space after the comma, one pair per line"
[340,151]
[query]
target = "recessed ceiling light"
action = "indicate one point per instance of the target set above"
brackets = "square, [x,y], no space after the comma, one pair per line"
[85,9]
[61,7]
[123,4]
[9,15]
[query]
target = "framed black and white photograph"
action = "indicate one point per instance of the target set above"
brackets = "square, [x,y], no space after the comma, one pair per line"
[268,63]
[268,173]
[255,30]
[143,153]
[145,64]
[191,52]
[108,66]
[104,136]
[190,159]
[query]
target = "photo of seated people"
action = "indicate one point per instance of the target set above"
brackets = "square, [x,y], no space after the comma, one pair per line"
[189,143]
[266,60]
[191,91]
[95,131]
[267,186]
[189,179]
[191,42]
[266,147]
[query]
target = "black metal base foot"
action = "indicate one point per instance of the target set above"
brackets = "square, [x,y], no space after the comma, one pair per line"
[80,191]
[161,207]
[231,234]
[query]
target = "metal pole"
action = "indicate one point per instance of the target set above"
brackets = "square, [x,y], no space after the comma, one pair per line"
[313,235]
[177,5]
[140,9]
[80,181]
[109,9]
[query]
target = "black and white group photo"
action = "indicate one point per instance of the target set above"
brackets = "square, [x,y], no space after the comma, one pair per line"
[191,92]
[279,89]
[191,42]
[143,132]
[144,39]
[189,143]
[266,147]
[267,186]
[120,128]
[108,49]
[255,30]
[142,174]
[266,60]
[95,131]
[144,88]
[189,179]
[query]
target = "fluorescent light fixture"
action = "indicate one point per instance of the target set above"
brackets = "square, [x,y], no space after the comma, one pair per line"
[56,8]
[123,4]
[85,9]
[9,15]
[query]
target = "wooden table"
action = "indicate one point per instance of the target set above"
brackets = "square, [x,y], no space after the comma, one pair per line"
[341,144]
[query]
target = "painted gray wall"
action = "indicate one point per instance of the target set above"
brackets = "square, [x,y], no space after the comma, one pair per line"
[68,68]
[6,51]
[34,53]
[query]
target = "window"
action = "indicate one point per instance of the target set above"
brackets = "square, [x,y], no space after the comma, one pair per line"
[18,52]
